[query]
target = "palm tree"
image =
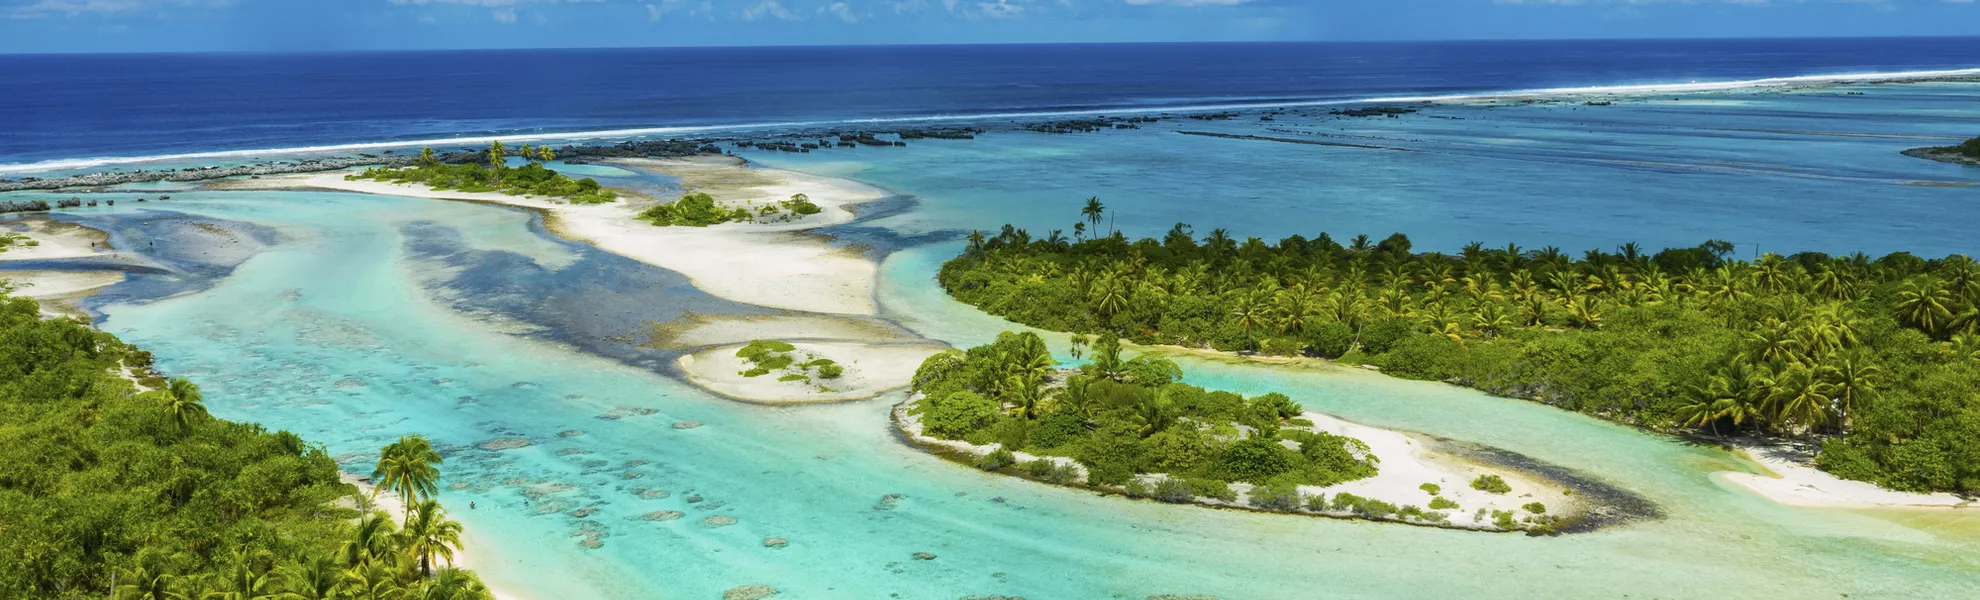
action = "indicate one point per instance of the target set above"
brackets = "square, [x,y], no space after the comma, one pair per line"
[1024,395]
[545,154]
[372,582]
[1093,211]
[371,542]
[1110,296]
[1924,305]
[184,403]
[146,584]
[497,160]
[453,584]
[1800,397]
[407,468]
[976,240]
[429,535]
[245,582]
[1852,383]
[1251,313]
[426,157]
[313,579]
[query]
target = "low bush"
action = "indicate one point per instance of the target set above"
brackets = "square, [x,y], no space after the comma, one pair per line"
[1442,503]
[1535,508]
[1174,490]
[1276,496]
[1432,488]
[996,459]
[1492,484]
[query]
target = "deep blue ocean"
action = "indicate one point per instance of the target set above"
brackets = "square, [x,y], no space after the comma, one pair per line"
[93,106]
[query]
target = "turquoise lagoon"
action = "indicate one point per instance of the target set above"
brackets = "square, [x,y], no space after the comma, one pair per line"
[366,318]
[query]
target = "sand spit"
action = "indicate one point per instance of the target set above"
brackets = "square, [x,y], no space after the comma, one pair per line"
[870,369]
[1796,482]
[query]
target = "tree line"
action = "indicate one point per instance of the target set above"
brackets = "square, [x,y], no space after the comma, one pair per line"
[111,489]
[496,176]
[1876,357]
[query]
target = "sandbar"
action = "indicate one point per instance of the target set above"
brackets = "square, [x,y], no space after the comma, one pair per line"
[1797,482]
[870,369]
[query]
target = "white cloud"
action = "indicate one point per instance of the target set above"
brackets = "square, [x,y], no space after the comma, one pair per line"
[1188,2]
[35,9]
[769,8]
[841,10]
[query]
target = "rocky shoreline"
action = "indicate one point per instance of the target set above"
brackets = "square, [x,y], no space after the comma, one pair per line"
[1944,155]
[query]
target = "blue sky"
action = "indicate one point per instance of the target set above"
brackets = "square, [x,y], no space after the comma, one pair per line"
[311,25]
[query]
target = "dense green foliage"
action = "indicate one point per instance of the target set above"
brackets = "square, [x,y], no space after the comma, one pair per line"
[1123,418]
[1970,148]
[101,479]
[696,209]
[1882,356]
[531,179]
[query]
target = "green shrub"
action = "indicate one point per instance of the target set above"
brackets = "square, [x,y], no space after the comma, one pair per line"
[1211,488]
[1255,459]
[1493,484]
[1347,501]
[1375,509]
[794,377]
[1037,468]
[1380,336]
[1317,502]
[1442,503]
[1329,339]
[1503,519]
[1173,490]
[1275,496]
[1970,147]
[996,459]
[1535,508]
[1432,488]
[958,415]
[695,209]
[831,371]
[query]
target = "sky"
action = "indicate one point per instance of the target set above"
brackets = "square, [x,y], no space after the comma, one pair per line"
[63,26]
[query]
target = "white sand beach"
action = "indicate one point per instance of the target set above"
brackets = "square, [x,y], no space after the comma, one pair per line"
[1797,482]
[772,265]
[870,369]
[58,291]
[53,239]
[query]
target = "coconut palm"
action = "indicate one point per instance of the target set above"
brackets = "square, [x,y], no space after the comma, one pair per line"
[245,582]
[452,584]
[373,582]
[313,579]
[429,535]
[184,404]
[1852,383]
[372,541]
[1800,397]
[1094,211]
[406,467]
[147,584]
[1924,305]
[1250,313]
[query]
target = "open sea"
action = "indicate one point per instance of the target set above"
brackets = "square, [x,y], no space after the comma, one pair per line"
[353,319]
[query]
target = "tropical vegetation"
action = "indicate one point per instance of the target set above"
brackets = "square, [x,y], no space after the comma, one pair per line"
[696,209]
[1876,358]
[531,179]
[1122,419]
[1970,148]
[111,489]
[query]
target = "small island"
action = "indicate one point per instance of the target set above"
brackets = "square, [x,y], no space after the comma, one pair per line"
[531,179]
[1132,427]
[698,209]
[1967,153]
[1871,360]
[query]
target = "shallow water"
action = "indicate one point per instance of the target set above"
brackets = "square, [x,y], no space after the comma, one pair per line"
[368,318]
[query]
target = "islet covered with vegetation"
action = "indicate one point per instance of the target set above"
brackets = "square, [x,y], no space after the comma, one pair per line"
[530,179]
[1877,358]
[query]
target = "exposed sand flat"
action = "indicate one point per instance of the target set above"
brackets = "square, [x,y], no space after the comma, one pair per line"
[870,370]
[696,331]
[1407,465]
[764,264]
[58,291]
[54,239]
[1799,483]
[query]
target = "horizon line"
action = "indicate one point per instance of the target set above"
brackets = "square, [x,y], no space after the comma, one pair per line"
[994,44]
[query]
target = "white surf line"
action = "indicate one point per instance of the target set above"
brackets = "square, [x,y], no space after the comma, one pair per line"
[1631,89]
